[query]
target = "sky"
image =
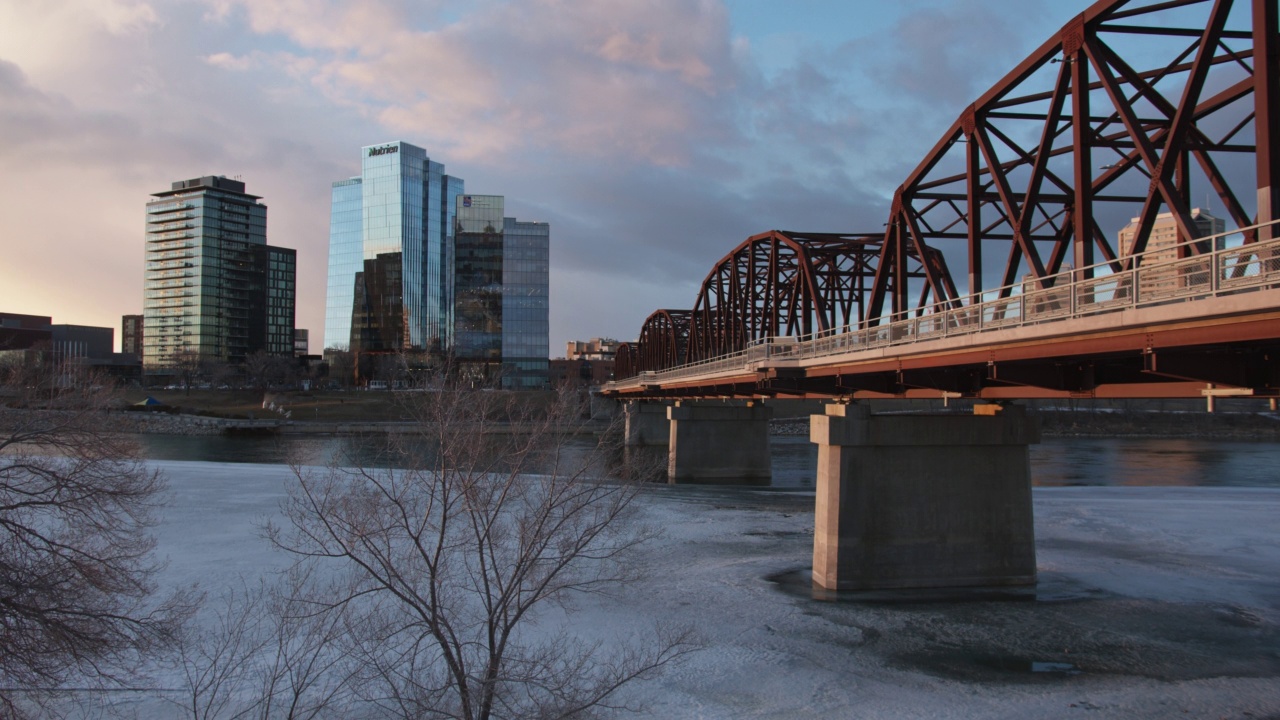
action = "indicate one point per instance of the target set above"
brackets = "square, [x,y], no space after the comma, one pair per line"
[653,135]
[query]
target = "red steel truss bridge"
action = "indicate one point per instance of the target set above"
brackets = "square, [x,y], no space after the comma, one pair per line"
[1051,244]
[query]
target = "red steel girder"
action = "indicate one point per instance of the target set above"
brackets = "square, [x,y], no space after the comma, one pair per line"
[664,340]
[626,360]
[781,283]
[1028,177]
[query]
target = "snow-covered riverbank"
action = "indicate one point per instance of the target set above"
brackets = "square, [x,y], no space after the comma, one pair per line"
[1153,603]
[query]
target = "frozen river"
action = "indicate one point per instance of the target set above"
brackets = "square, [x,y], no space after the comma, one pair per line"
[1154,602]
[1158,594]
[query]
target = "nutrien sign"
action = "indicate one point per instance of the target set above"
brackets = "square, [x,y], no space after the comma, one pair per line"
[384,150]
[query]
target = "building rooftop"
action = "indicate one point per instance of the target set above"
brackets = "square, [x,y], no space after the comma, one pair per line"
[211,182]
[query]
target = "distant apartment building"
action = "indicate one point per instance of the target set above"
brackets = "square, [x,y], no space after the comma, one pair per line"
[301,342]
[501,327]
[1162,248]
[213,286]
[390,245]
[585,362]
[131,335]
[580,372]
[593,349]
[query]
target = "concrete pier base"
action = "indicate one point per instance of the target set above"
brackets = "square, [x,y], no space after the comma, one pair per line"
[647,424]
[720,444]
[923,501]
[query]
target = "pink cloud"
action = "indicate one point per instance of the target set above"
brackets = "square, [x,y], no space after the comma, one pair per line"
[582,78]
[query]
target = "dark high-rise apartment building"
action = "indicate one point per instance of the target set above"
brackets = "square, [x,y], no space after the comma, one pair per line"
[390,261]
[131,335]
[301,342]
[501,293]
[213,285]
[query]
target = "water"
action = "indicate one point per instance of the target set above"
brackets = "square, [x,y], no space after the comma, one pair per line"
[1055,462]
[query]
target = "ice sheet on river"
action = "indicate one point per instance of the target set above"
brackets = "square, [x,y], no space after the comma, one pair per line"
[1153,603]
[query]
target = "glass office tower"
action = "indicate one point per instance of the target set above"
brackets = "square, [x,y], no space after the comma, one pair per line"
[212,284]
[526,261]
[393,221]
[477,300]
[501,276]
[346,258]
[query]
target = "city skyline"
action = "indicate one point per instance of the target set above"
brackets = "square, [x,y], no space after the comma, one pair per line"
[654,137]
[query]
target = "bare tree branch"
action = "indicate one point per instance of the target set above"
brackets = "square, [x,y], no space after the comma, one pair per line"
[77,599]
[452,562]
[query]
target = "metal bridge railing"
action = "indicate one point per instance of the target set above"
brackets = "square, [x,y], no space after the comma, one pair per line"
[1231,267]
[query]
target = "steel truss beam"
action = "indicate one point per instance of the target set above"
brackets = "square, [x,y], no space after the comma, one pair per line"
[664,340]
[783,283]
[1019,167]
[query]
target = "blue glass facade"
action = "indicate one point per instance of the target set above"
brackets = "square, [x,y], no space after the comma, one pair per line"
[346,258]
[526,289]
[478,248]
[404,204]
[501,294]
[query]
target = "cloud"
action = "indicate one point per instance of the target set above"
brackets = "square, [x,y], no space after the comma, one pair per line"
[227,61]
[629,81]
[948,55]
[645,132]
[320,24]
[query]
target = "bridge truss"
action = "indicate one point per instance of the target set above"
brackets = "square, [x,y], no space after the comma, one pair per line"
[1132,110]
[1130,114]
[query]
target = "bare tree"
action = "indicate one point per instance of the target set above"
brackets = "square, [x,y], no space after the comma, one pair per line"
[450,563]
[341,365]
[218,373]
[76,566]
[263,370]
[187,365]
[263,652]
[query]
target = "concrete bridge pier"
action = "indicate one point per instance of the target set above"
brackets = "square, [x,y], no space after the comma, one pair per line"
[647,424]
[720,444]
[923,501]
